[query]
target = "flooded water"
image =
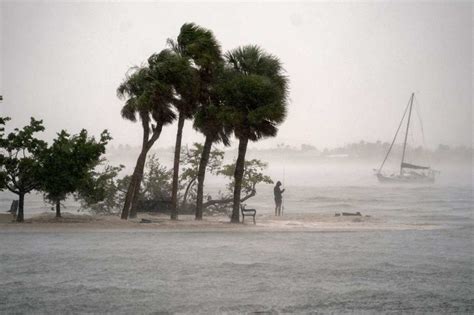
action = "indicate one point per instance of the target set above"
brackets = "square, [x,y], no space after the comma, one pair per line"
[147,271]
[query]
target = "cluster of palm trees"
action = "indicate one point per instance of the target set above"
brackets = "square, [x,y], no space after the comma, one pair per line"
[243,92]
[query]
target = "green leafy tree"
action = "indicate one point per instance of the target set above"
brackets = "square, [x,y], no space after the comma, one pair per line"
[69,163]
[255,96]
[20,165]
[149,97]
[102,192]
[157,184]
[191,165]
[252,176]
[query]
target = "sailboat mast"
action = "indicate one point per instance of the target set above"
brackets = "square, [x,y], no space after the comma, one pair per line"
[395,137]
[406,133]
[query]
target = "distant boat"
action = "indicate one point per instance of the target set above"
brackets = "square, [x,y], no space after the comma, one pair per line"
[409,173]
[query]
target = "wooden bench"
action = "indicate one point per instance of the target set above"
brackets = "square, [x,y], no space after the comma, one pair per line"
[247,212]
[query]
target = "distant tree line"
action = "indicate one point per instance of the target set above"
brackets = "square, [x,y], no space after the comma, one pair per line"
[373,150]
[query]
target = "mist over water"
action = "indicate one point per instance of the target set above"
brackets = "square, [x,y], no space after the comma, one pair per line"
[416,270]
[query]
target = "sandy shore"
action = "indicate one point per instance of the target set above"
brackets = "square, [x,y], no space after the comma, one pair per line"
[160,222]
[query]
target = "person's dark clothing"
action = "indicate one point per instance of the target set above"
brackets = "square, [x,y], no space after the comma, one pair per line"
[277,193]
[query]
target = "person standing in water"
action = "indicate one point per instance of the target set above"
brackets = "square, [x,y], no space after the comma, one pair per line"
[278,198]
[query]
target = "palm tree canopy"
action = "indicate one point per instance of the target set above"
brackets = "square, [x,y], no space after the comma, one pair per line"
[176,70]
[255,93]
[146,97]
[209,120]
[200,45]
[251,59]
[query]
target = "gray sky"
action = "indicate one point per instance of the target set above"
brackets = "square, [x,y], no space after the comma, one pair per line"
[352,66]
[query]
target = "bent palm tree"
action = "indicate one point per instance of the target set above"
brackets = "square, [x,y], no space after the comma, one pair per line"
[200,45]
[208,121]
[187,86]
[255,96]
[150,99]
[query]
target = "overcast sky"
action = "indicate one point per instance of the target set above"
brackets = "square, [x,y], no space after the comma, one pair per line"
[352,66]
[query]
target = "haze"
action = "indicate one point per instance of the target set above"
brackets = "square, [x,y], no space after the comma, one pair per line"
[352,67]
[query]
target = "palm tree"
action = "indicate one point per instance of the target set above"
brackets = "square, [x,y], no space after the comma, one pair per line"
[255,97]
[209,121]
[150,99]
[198,45]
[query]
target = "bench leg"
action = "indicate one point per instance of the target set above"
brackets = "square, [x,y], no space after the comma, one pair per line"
[254,219]
[243,219]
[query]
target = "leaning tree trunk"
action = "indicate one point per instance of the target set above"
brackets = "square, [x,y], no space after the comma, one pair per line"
[58,209]
[128,198]
[138,179]
[130,190]
[201,175]
[238,175]
[186,192]
[137,175]
[177,153]
[21,205]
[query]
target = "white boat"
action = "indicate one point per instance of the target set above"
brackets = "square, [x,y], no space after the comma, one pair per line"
[409,173]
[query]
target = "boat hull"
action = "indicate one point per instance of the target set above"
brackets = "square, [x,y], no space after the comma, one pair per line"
[400,179]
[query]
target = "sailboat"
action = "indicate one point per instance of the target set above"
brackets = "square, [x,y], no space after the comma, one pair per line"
[409,172]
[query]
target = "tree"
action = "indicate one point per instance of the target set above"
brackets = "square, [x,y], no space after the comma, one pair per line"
[252,176]
[255,98]
[192,160]
[68,164]
[19,160]
[104,193]
[101,192]
[149,97]
[195,45]
[201,46]
[157,184]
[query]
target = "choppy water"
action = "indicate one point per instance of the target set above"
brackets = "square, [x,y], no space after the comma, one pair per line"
[135,271]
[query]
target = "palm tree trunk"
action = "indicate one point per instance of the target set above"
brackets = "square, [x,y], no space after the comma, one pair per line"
[58,208]
[201,175]
[138,174]
[177,153]
[128,198]
[21,205]
[131,189]
[238,175]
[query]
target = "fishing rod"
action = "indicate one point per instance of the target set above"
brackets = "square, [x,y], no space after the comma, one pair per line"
[282,199]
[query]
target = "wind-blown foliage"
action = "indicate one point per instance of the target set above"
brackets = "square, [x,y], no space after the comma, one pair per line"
[188,86]
[255,96]
[149,96]
[201,46]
